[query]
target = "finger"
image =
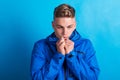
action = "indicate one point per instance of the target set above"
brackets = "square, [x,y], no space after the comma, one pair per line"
[62,44]
[66,41]
[61,41]
[69,41]
[58,42]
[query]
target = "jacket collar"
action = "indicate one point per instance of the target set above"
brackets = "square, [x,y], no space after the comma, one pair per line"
[75,37]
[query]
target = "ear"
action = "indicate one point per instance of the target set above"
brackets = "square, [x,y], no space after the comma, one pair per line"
[53,24]
[75,24]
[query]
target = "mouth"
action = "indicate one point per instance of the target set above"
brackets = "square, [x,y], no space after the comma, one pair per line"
[65,38]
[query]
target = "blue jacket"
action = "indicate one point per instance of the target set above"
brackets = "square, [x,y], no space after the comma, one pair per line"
[79,64]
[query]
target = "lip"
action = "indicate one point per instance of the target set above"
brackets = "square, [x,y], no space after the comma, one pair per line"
[65,38]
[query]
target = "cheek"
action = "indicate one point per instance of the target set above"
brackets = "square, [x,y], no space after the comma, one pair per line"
[70,32]
[58,31]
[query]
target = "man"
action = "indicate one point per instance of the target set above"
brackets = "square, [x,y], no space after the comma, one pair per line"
[64,55]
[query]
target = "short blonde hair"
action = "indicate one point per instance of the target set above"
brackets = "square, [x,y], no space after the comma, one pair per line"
[64,10]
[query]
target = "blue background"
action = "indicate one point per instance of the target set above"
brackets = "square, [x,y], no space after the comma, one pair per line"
[23,22]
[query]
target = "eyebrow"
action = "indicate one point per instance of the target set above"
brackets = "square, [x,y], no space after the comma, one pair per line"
[63,26]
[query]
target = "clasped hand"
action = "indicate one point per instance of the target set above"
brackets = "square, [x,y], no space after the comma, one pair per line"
[64,46]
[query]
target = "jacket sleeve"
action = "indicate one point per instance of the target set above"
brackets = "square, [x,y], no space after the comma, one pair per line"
[41,69]
[83,66]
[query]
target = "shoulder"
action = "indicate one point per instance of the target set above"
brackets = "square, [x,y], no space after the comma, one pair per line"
[40,44]
[39,47]
[86,42]
[84,45]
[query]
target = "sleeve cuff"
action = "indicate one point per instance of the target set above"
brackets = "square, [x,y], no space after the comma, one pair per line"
[71,54]
[59,58]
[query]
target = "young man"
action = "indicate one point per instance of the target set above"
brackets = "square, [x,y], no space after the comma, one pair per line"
[64,55]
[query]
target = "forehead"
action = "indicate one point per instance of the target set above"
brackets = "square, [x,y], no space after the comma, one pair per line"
[64,20]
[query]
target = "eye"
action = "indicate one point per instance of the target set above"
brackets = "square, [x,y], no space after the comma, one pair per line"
[59,27]
[69,26]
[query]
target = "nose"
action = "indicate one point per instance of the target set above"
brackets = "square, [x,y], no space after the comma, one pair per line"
[64,31]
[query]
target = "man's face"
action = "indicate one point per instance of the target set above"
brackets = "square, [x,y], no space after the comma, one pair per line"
[64,27]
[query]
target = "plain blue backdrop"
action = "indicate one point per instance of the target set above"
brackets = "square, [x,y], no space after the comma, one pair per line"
[23,22]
